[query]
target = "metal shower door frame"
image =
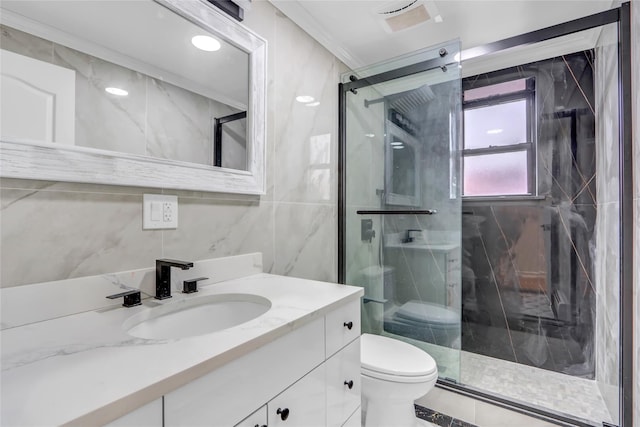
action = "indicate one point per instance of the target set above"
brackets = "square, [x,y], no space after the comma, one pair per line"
[622,16]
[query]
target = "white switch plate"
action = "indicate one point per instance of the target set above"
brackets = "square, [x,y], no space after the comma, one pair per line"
[159,211]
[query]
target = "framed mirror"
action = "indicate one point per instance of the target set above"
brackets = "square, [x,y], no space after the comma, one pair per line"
[402,161]
[129,93]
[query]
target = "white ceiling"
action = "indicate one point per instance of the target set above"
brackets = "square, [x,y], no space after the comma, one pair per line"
[353,31]
[141,35]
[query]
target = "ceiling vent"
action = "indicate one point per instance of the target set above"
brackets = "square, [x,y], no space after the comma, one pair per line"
[401,15]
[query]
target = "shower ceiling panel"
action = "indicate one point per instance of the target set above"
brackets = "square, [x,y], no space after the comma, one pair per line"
[352,29]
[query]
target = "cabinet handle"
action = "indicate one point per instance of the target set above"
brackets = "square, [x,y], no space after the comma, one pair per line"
[349,384]
[258,425]
[284,413]
[348,325]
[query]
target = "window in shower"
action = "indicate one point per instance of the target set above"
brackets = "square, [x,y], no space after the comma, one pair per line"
[499,139]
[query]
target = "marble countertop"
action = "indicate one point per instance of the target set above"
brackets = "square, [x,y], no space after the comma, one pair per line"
[84,369]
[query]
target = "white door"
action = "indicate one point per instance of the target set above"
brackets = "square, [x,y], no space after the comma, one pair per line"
[37,100]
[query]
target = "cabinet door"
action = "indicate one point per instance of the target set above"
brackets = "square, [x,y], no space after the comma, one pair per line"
[342,326]
[225,396]
[149,415]
[302,404]
[257,419]
[343,384]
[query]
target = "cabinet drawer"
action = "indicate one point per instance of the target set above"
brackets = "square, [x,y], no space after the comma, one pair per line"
[355,420]
[343,370]
[149,415]
[226,395]
[257,419]
[342,326]
[302,404]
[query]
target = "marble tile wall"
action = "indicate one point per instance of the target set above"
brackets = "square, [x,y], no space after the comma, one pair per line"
[522,256]
[55,230]
[607,225]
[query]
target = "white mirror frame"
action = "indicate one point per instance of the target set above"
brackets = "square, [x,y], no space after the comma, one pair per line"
[54,162]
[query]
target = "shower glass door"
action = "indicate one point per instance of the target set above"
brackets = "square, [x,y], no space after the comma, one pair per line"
[400,200]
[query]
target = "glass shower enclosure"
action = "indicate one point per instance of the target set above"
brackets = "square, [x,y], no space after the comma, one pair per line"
[400,209]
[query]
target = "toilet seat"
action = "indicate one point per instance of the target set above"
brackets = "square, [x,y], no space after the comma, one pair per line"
[425,312]
[393,360]
[399,378]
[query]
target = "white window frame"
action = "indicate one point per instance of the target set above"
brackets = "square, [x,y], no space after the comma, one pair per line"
[529,146]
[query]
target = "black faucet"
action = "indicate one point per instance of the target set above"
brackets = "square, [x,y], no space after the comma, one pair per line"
[409,237]
[163,275]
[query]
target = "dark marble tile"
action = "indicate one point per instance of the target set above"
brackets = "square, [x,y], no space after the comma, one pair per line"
[440,419]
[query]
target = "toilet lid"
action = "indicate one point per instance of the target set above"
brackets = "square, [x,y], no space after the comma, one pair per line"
[420,311]
[394,357]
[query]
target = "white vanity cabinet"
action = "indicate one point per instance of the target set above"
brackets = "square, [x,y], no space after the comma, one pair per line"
[257,419]
[149,415]
[433,269]
[302,404]
[226,395]
[343,384]
[307,377]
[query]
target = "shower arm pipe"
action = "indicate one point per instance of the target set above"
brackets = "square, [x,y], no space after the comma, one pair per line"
[398,212]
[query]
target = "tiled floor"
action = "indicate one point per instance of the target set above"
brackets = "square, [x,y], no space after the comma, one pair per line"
[577,397]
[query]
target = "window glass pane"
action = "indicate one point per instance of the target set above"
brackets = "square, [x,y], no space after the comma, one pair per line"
[496,125]
[497,89]
[496,174]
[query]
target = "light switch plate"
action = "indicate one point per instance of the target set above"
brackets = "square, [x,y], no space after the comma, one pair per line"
[159,211]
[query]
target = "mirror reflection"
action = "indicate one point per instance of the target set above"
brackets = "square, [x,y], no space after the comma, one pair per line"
[69,77]
[402,162]
[230,147]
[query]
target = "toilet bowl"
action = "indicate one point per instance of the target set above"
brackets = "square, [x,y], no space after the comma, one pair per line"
[394,374]
[419,320]
[424,321]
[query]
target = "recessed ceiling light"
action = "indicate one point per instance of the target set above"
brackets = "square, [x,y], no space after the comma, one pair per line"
[398,147]
[370,135]
[206,43]
[494,131]
[396,143]
[116,91]
[305,99]
[313,104]
[438,18]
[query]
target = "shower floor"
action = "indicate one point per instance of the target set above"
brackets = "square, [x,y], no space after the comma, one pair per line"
[577,397]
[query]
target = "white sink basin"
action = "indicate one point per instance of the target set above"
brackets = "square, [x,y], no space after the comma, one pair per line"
[196,316]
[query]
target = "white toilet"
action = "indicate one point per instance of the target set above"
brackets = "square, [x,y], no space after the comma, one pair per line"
[394,374]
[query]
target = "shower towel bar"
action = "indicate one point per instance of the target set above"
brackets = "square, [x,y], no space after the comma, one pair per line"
[399,212]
